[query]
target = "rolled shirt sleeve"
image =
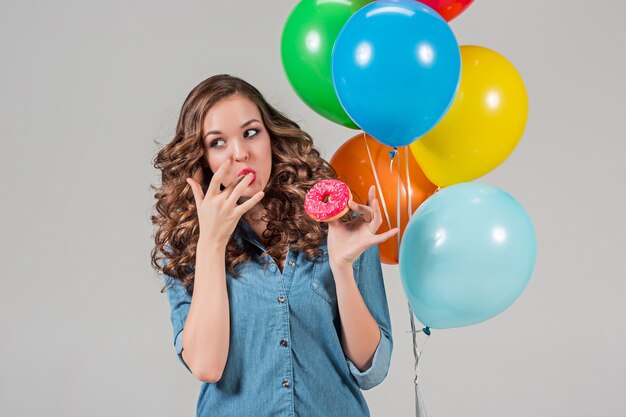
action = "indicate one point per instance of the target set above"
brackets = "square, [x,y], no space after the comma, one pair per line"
[180,301]
[371,285]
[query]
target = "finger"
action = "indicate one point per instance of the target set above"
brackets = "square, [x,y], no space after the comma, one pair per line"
[371,194]
[249,203]
[377,218]
[227,191]
[218,176]
[198,196]
[384,236]
[240,188]
[366,211]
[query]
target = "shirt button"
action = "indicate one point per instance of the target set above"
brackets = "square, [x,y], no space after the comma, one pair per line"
[283,342]
[285,383]
[291,263]
[281,299]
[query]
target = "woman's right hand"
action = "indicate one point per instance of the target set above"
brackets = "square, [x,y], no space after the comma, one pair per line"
[218,211]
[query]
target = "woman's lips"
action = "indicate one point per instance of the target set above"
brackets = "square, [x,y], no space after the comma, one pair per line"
[246,171]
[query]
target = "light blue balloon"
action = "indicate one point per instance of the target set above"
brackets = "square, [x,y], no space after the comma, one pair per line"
[396,68]
[466,255]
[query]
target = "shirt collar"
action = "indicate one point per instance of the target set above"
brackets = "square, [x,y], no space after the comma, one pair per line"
[245,232]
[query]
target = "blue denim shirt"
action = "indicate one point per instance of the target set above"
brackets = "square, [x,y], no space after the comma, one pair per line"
[286,357]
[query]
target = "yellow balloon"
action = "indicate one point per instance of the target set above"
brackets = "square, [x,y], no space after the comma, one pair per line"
[484,123]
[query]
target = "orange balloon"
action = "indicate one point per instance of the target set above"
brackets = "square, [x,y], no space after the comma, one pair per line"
[354,167]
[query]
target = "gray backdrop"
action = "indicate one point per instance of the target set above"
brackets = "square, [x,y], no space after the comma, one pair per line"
[85,89]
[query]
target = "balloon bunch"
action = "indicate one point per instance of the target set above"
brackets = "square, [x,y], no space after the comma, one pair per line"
[394,69]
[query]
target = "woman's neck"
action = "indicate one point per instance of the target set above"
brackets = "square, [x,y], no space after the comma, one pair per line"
[253,218]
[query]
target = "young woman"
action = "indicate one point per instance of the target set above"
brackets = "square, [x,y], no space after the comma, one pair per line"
[277,314]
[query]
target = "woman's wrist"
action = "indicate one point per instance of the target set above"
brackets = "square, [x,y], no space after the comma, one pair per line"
[339,267]
[206,242]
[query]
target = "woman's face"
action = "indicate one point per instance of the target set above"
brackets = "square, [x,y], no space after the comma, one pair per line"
[233,129]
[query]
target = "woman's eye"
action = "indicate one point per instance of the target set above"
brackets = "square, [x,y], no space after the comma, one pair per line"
[255,130]
[214,142]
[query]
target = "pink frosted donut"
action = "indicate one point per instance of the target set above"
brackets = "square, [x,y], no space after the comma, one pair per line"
[327,200]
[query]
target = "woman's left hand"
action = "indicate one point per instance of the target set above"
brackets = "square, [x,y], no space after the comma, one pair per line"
[346,241]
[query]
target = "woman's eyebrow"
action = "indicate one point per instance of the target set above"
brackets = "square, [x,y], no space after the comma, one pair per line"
[213,132]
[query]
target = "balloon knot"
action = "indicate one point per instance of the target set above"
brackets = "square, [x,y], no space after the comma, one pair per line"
[426,330]
[393,153]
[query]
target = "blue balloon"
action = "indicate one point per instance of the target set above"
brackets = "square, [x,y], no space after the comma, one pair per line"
[396,67]
[466,255]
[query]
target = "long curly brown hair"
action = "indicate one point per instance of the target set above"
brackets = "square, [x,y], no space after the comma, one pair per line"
[296,166]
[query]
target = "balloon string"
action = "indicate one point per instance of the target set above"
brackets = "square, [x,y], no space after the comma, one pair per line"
[420,409]
[392,154]
[398,218]
[408,181]
[378,187]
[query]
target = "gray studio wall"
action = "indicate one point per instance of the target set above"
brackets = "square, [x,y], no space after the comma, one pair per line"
[85,89]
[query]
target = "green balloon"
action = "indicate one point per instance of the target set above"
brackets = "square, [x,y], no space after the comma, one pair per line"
[306,50]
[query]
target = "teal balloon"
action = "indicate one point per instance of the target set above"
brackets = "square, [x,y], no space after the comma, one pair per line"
[466,255]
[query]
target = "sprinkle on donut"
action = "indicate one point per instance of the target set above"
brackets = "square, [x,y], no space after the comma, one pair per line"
[327,200]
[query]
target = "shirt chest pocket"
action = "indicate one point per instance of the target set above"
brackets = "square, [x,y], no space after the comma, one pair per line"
[323,281]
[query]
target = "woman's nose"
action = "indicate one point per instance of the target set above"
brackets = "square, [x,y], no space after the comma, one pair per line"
[240,152]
